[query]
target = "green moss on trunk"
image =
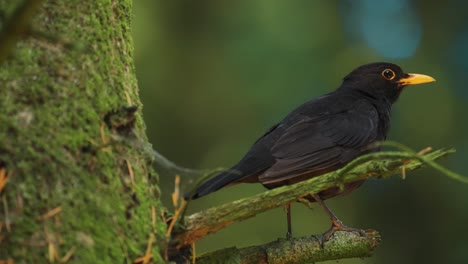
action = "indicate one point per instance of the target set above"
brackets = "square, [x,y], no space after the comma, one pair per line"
[73,137]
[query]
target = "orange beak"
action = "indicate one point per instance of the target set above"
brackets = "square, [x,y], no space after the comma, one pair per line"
[415,78]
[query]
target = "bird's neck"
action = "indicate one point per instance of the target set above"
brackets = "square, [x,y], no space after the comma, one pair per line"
[381,104]
[377,100]
[372,93]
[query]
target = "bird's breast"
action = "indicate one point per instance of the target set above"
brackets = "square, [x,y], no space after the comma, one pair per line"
[384,122]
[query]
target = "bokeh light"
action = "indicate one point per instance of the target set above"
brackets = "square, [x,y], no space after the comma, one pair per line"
[392,28]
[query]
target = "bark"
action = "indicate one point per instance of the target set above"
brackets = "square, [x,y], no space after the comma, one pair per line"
[299,250]
[80,188]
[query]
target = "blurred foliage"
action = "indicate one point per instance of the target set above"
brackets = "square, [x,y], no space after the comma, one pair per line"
[214,75]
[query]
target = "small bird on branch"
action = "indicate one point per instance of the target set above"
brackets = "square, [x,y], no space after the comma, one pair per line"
[322,135]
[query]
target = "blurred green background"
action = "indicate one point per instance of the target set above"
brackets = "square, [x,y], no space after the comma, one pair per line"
[214,75]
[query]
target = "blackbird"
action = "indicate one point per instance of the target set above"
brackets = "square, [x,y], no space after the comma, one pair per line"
[322,135]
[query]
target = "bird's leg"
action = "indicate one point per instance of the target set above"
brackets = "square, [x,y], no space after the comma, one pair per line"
[336,223]
[288,217]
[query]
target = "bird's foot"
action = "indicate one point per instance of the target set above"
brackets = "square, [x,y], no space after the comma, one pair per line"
[288,235]
[337,225]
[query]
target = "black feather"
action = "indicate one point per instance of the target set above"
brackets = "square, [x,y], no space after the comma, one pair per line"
[321,135]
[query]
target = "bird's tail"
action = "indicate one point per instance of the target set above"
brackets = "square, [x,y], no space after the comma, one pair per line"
[213,184]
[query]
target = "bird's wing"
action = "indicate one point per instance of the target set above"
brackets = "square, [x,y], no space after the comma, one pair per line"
[254,162]
[317,144]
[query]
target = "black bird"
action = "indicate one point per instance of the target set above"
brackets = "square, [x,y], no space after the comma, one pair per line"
[322,135]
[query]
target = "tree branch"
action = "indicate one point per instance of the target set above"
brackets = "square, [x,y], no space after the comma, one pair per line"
[299,250]
[381,164]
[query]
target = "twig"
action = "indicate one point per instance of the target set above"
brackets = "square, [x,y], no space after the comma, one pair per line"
[68,255]
[176,194]
[384,164]
[148,255]
[49,214]
[4,178]
[299,250]
[131,174]
[177,213]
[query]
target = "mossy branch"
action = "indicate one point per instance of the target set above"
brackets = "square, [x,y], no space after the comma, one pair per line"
[381,164]
[299,250]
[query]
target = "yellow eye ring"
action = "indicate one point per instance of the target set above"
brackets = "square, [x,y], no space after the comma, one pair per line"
[388,74]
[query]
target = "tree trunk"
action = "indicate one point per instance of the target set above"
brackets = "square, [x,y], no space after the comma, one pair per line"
[80,187]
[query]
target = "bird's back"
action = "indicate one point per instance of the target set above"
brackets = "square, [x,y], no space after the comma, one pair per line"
[317,137]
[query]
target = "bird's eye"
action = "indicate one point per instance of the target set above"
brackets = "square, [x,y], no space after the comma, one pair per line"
[388,74]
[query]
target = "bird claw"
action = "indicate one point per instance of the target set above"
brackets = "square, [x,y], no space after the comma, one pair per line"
[337,225]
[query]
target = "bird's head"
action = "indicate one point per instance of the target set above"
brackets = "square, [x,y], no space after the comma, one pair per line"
[382,80]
